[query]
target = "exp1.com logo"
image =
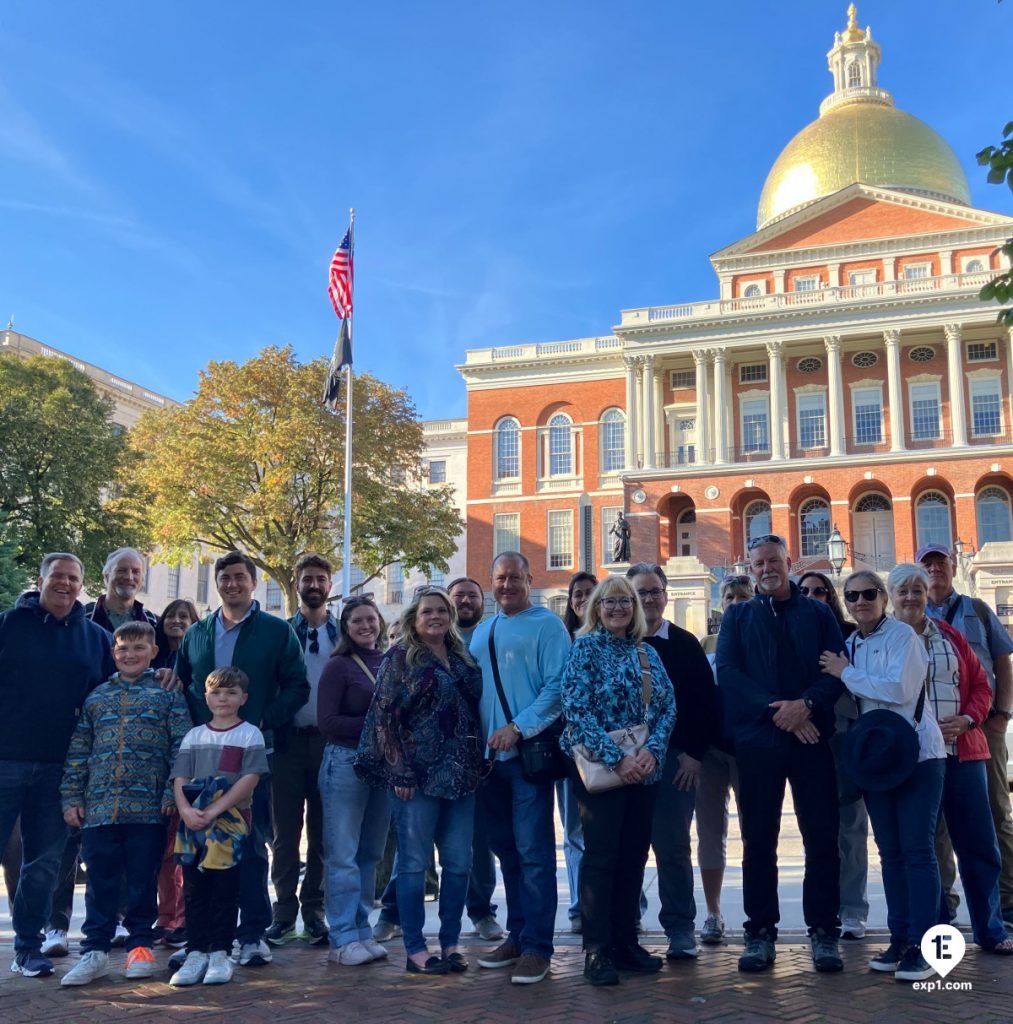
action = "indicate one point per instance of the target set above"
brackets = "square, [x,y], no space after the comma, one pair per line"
[943,948]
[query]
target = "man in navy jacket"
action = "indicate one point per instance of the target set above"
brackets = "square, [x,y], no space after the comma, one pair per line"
[780,709]
[51,658]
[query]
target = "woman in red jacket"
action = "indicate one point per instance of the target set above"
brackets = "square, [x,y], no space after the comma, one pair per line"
[961,699]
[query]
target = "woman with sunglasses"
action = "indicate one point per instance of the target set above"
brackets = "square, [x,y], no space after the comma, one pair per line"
[961,699]
[603,689]
[853,837]
[885,667]
[422,739]
[356,817]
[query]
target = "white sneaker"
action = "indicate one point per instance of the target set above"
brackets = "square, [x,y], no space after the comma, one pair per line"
[376,951]
[852,929]
[192,970]
[353,954]
[255,954]
[56,944]
[92,965]
[120,936]
[219,969]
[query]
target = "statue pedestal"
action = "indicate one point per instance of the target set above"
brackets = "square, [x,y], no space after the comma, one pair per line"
[616,568]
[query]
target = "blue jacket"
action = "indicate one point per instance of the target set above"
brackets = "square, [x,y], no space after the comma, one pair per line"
[750,660]
[47,668]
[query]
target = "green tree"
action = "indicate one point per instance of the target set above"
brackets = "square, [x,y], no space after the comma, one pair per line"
[60,455]
[255,461]
[13,578]
[999,160]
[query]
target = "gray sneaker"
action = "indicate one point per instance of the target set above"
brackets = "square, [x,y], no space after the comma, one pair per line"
[384,931]
[192,971]
[255,954]
[759,954]
[713,931]
[93,965]
[826,955]
[488,928]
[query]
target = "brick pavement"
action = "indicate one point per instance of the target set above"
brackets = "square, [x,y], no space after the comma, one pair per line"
[300,987]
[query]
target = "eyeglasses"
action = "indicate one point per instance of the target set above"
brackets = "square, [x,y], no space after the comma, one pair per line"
[767,538]
[851,596]
[616,602]
[314,641]
[815,591]
[651,595]
[430,589]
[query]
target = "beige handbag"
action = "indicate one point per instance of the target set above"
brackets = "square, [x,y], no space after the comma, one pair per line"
[597,776]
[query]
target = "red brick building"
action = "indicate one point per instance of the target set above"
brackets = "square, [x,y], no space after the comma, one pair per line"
[846,374]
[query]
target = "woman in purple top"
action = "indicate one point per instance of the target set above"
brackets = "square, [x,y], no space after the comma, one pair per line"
[356,817]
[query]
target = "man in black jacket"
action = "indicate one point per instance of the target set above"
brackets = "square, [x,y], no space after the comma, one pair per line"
[696,724]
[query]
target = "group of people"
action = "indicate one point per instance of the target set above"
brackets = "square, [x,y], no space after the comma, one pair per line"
[169,753]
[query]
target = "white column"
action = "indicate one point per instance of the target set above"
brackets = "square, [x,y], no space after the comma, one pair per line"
[702,408]
[720,407]
[649,452]
[1009,372]
[631,411]
[835,399]
[954,364]
[774,349]
[658,383]
[892,340]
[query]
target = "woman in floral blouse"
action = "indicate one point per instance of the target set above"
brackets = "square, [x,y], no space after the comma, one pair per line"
[603,690]
[421,738]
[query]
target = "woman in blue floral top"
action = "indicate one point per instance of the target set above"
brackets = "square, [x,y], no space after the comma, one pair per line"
[421,738]
[603,690]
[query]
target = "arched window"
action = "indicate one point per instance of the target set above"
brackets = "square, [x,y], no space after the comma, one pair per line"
[612,440]
[814,528]
[872,503]
[752,291]
[932,516]
[994,521]
[508,449]
[974,267]
[854,75]
[560,446]
[756,520]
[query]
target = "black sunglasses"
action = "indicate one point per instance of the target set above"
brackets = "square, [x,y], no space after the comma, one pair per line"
[851,596]
[735,579]
[818,591]
[767,538]
[314,641]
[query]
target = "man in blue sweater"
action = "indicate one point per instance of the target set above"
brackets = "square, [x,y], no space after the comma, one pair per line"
[51,658]
[781,710]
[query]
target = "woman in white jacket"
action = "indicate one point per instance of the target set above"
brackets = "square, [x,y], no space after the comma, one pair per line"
[886,667]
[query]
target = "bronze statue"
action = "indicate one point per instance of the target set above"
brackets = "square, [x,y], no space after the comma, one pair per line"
[621,546]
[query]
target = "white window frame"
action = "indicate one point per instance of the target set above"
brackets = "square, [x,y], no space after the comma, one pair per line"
[746,371]
[917,271]
[855,393]
[1009,513]
[761,285]
[172,581]
[621,451]
[867,275]
[500,527]
[674,380]
[394,582]
[274,599]
[497,473]
[437,462]
[806,402]
[564,552]
[806,283]
[203,582]
[966,261]
[920,538]
[988,386]
[992,358]
[923,388]
[751,407]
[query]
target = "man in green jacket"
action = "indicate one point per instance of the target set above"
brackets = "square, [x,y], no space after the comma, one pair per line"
[268,651]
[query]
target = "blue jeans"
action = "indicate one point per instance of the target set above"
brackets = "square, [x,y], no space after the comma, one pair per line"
[482,883]
[522,835]
[673,815]
[573,842]
[31,790]
[114,853]
[420,822]
[254,901]
[969,821]
[904,824]
[356,819]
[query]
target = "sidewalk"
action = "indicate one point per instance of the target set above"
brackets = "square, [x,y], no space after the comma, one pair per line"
[301,987]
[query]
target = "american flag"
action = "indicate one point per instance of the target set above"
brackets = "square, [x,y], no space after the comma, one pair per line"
[339,285]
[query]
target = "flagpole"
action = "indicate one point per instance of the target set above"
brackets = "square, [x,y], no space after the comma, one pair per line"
[346,558]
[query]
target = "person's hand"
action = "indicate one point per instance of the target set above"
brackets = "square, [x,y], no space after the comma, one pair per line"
[167,809]
[167,679]
[647,762]
[806,733]
[687,777]
[629,770]
[953,726]
[996,725]
[789,714]
[74,816]
[404,792]
[195,820]
[504,738]
[833,664]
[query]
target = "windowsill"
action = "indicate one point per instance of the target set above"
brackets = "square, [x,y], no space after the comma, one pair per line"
[507,486]
[559,483]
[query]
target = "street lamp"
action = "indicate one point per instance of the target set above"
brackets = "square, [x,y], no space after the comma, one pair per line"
[739,567]
[837,550]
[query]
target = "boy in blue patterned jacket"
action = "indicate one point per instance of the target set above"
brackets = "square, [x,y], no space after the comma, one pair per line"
[116,788]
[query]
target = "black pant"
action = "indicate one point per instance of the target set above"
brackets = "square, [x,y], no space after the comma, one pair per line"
[762,775]
[617,839]
[212,904]
[112,852]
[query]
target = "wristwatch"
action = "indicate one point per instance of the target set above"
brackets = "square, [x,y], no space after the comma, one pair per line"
[516,728]
[809,703]
[971,723]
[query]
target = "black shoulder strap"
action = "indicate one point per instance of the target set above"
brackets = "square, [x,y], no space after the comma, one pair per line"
[495,671]
[951,612]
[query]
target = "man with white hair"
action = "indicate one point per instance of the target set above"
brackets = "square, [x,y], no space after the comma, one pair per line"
[123,576]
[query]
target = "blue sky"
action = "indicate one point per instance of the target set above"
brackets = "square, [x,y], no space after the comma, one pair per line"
[175,177]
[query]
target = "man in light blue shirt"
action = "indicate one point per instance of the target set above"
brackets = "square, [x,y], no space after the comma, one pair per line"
[531,646]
